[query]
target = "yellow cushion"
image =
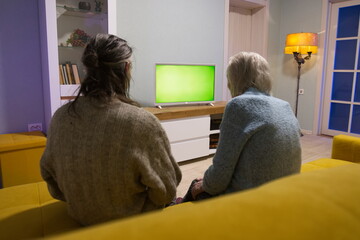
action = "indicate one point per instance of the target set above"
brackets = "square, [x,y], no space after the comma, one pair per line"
[346,148]
[55,218]
[20,217]
[28,211]
[20,155]
[312,205]
[323,163]
[16,141]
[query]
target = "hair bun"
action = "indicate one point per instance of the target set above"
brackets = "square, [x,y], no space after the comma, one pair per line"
[91,59]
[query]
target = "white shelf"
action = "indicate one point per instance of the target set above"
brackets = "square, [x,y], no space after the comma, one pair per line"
[71,47]
[212,151]
[214,131]
[69,90]
[76,12]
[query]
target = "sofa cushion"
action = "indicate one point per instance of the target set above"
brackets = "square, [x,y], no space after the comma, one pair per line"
[20,216]
[28,211]
[346,148]
[20,155]
[323,163]
[311,205]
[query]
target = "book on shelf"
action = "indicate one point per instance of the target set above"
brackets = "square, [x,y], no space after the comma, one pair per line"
[215,124]
[61,75]
[214,140]
[66,80]
[69,73]
[76,73]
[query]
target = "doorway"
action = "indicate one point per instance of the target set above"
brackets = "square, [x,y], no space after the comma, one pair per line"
[341,109]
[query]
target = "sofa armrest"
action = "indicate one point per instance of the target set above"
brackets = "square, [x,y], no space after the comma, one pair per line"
[346,148]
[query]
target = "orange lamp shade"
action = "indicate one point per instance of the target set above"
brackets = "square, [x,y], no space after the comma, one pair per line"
[301,43]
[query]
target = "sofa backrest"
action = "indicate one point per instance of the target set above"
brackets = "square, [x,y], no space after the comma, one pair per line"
[346,148]
[321,204]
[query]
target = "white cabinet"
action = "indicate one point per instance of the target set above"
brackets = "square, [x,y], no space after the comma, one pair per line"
[187,128]
[190,149]
[193,131]
[189,137]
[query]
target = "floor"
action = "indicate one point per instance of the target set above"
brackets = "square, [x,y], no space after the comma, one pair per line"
[313,147]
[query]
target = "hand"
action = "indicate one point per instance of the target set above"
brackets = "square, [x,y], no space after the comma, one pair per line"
[197,188]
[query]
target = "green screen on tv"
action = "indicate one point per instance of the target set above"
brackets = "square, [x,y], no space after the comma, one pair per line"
[184,83]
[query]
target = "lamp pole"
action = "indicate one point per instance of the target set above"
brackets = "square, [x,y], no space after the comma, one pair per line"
[297,89]
[300,60]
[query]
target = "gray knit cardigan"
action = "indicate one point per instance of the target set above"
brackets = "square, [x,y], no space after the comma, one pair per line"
[259,142]
[108,162]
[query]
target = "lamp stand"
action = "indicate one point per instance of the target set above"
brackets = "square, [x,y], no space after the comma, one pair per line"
[300,60]
[297,89]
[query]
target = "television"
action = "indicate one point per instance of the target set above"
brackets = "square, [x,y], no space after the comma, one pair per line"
[177,84]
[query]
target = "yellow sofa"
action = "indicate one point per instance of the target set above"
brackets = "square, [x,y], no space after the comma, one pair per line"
[320,203]
[20,155]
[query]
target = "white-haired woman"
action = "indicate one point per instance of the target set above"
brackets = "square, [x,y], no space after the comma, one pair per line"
[259,134]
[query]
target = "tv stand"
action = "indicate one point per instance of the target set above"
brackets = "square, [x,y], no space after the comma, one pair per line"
[189,128]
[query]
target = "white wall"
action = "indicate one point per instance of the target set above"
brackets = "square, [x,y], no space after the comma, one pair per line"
[291,16]
[274,40]
[171,31]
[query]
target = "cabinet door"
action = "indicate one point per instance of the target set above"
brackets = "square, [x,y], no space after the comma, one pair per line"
[189,137]
[187,128]
[190,149]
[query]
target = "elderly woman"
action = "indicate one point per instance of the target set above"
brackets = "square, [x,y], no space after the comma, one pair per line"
[259,134]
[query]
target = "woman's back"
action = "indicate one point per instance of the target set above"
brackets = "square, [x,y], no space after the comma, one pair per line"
[259,142]
[109,160]
[272,135]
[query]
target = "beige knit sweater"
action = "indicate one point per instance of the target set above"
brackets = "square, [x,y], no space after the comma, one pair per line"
[108,162]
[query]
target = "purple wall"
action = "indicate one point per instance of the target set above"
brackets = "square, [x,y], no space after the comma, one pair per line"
[21,94]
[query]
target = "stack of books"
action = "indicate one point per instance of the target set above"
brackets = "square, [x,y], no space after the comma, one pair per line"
[214,140]
[69,73]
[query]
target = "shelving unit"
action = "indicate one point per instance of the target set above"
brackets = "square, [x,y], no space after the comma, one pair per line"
[70,19]
[58,19]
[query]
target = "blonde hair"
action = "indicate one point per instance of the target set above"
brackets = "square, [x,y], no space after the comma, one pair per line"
[248,69]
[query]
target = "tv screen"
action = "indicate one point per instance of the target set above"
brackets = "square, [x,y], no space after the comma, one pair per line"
[181,84]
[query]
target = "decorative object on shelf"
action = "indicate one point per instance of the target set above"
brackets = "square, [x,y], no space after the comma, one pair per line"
[84,6]
[297,44]
[98,5]
[78,38]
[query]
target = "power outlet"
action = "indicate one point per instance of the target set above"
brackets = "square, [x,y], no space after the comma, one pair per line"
[34,127]
[301,91]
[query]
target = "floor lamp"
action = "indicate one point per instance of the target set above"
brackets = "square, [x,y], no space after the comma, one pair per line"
[297,44]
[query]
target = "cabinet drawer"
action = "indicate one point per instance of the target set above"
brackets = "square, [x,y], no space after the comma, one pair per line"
[187,128]
[183,151]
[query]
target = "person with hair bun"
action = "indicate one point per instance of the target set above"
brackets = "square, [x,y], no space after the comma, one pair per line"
[105,156]
[259,134]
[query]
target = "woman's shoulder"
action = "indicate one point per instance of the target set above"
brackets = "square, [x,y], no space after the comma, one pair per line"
[257,98]
[61,111]
[138,115]
[138,112]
